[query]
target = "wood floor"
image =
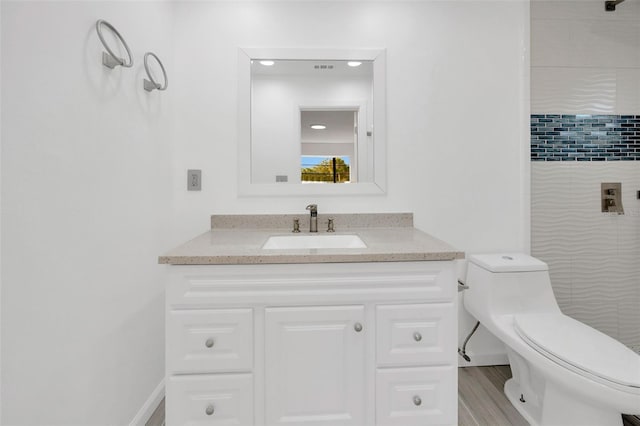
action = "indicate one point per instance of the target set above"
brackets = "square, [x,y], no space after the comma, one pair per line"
[157,418]
[481,400]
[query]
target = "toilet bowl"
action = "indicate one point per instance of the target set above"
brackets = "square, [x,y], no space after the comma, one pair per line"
[564,372]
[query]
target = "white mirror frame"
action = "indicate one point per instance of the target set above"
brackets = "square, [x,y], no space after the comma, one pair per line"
[246,187]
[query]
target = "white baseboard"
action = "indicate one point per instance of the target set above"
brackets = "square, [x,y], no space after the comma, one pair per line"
[149,406]
[478,360]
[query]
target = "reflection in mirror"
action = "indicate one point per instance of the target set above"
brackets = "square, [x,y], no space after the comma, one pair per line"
[289,92]
[329,141]
[311,120]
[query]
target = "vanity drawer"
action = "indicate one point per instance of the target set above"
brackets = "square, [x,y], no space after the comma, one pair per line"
[208,341]
[223,399]
[418,334]
[416,396]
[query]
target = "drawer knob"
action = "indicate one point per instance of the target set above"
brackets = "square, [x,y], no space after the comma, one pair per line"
[209,410]
[209,342]
[417,400]
[357,327]
[417,336]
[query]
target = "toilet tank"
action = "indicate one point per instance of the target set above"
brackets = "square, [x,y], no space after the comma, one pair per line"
[502,284]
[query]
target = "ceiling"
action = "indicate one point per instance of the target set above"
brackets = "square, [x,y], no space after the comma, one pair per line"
[340,126]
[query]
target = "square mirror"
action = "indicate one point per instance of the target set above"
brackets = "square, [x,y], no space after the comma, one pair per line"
[311,122]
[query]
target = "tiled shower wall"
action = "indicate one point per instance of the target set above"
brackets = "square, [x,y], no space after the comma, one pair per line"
[593,257]
[585,137]
[585,128]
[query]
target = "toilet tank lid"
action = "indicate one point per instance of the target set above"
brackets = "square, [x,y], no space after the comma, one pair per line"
[508,262]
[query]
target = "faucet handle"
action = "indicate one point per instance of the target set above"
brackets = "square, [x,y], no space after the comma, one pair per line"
[296,225]
[330,226]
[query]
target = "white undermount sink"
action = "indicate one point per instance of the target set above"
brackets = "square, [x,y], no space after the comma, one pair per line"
[321,241]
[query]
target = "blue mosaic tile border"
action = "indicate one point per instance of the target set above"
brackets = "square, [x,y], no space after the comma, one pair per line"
[581,137]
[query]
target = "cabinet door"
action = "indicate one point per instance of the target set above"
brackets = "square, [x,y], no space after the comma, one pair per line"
[315,365]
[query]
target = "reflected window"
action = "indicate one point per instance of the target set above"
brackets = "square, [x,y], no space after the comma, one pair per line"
[329,141]
[325,169]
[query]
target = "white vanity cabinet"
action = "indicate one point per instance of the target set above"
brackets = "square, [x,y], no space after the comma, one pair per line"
[312,344]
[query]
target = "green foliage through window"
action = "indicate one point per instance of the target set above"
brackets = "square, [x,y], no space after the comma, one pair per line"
[331,169]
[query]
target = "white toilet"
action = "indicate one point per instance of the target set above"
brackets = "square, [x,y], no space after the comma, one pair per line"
[564,372]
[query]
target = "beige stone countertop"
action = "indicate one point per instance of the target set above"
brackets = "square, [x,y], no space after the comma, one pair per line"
[238,239]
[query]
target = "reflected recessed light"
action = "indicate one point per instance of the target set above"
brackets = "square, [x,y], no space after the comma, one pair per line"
[354,63]
[267,63]
[318,126]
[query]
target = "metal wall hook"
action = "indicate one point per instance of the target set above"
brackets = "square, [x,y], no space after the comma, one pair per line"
[151,84]
[110,59]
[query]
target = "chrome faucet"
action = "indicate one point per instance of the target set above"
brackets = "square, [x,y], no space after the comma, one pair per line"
[313,223]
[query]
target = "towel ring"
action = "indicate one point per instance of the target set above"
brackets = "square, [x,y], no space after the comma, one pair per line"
[151,84]
[110,59]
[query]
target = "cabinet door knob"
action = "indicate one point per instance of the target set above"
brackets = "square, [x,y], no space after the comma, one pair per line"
[417,336]
[209,410]
[417,400]
[209,342]
[357,327]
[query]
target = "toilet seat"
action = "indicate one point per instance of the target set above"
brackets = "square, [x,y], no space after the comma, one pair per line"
[581,349]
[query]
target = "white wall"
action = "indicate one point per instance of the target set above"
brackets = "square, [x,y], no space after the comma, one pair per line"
[587,61]
[86,194]
[0,220]
[93,168]
[457,91]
